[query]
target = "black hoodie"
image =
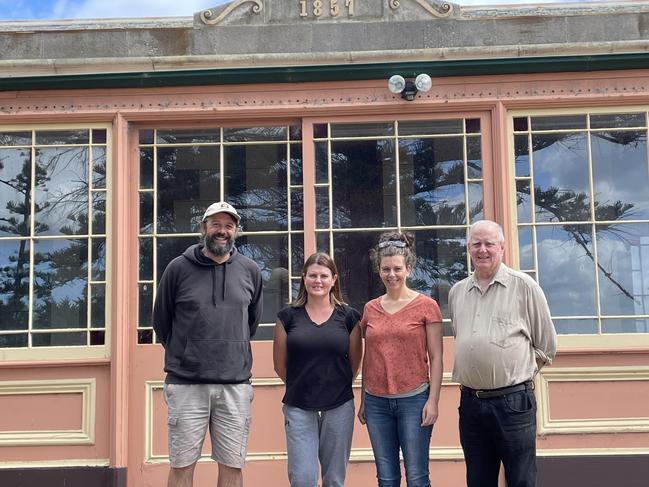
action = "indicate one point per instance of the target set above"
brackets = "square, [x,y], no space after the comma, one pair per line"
[204,316]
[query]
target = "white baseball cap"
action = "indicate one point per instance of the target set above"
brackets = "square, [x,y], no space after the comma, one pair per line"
[221,207]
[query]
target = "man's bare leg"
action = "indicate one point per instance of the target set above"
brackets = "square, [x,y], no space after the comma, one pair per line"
[181,477]
[229,476]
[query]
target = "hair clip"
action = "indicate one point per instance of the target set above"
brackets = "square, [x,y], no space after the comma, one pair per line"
[395,243]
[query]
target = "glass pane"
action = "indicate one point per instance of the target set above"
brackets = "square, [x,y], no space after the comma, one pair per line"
[474,158]
[561,186]
[15,138]
[168,249]
[145,304]
[295,132]
[321,163]
[431,127]
[60,283]
[60,339]
[322,242]
[144,336]
[98,136]
[623,257]
[254,134]
[432,181]
[15,195]
[13,341]
[295,288]
[576,327]
[264,332]
[476,206]
[637,325]
[146,213]
[188,136]
[441,262]
[297,254]
[472,126]
[270,252]
[320,131]
[98,259]
[146,136]
[62,191]
[358,280]
[559,122]
[62,137]
[296,164]
[146,259]
[363,184]
[98,306]
[620,176]
[523,201]
[322,207]
[362,129]
[255,184]
[565,256]
[99,212]
[188,182]
[617,120]
[521,156]
[97,337]
[146,167]
[14,284]
[520,124]
[525,248]
[297,209]
[98,167]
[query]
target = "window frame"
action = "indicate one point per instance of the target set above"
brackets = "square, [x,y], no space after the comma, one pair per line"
[73,352]
[568,342]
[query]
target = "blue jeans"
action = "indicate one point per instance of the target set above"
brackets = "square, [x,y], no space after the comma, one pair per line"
[499,429]
[395,424]
[318,435]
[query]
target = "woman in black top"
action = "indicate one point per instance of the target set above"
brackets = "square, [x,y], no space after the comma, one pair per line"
[317,353]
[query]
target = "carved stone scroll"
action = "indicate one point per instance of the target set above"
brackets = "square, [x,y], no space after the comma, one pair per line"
[436,9]
[207,16]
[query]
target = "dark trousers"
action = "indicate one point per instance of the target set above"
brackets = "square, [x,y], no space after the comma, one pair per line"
[495,430]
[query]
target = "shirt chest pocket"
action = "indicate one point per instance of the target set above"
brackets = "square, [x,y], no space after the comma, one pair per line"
[503,331]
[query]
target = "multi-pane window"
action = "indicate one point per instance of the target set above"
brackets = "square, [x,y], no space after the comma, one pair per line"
[53,237]
[258,170]
[582,204]
[422,176]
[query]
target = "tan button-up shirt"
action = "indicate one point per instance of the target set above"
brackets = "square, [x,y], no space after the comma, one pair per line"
[500,334]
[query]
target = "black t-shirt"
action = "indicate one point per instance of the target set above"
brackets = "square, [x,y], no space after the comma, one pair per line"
[318,371]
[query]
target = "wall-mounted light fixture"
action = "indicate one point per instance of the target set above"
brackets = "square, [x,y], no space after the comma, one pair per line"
[408,89]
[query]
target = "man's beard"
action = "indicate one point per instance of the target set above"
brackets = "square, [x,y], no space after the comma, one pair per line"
[216,249]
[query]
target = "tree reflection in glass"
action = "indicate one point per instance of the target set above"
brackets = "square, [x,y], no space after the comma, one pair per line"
[15,197]
[60,283]
[14,285]
[270,252]
[432,181]
[255,183]
[363,183]
[188,182]
[61,199]
[566,269]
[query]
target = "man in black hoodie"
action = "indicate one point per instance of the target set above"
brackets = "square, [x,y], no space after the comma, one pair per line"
[207,307]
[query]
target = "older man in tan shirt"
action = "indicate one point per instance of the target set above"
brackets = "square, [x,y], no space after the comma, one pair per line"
[503,336]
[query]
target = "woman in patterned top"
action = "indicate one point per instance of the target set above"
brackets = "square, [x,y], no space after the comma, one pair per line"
[402,367]
[317,352]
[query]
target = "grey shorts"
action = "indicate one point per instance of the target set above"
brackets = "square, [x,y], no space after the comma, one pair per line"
[224,408]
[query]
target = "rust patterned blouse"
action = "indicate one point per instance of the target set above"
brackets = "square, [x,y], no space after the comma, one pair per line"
[396,356]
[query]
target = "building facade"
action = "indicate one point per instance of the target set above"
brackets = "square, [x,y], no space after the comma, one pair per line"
[116,134]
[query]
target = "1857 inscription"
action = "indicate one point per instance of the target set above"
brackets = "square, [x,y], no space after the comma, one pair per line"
[318,8]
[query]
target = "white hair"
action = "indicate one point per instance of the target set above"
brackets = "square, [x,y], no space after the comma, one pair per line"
[500,235]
